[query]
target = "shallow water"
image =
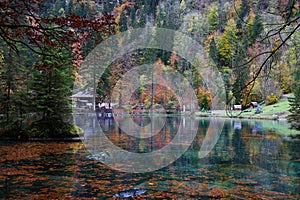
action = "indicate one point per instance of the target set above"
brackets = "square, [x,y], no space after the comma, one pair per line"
[247,160]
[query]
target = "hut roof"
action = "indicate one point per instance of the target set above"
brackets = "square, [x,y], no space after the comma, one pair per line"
[82,95]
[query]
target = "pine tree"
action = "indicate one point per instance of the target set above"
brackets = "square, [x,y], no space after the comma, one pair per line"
[143,17]
[80,9]
[213,51]
[213,18]
[14,77]
[152,6]
[51,88]
[205,103]
[60,4]
[123,21]
[294,62]
[294,117]
[108,6]
[244,9]
[133,16]
[70,8]
[254,28]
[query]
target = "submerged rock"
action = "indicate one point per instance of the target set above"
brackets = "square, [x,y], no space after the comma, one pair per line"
[101,156]
[130,193]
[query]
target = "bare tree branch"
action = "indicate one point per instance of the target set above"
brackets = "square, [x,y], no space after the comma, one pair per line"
[272,53]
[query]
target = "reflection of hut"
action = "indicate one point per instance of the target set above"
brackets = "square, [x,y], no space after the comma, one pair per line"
[237,126]
[83,100]
[105,110]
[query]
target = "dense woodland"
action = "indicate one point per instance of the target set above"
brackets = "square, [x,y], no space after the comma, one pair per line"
[253,44]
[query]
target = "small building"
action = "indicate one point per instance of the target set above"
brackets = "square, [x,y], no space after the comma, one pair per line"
[83,100]
[254,104]
[237,107]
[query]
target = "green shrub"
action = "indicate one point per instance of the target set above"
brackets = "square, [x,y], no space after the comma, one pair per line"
[272,99]
[170,105]
[54,128]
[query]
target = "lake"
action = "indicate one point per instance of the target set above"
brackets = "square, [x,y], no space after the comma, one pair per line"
[156,157]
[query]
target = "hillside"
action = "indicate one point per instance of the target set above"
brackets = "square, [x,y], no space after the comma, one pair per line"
[279,110]
[250,47]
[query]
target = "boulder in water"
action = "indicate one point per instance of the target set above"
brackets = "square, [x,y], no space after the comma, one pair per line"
[130,193]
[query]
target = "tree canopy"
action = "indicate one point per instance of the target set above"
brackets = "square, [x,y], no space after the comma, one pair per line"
[253,44]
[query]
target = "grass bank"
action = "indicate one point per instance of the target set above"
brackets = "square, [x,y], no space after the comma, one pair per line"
[278,111]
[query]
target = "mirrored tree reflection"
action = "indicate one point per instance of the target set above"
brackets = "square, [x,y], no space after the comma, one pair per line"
[250,160]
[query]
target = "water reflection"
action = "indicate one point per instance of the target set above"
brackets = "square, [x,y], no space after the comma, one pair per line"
[251,159]
[241,141]
[139,144]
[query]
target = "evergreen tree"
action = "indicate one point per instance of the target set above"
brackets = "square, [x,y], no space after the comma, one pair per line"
[108,6]
[243,11]
[123,21]
[51,88]
[221,15]
[253,28]
[104,85]
[14,78]
[227,44]
[293,57]
[213,18]
[161,17]
[205,103]
[133,16]
[80,9]
[60,4]
[213,51]
[45,9]
[258,25]
[142,17]
[153,5]
[70,8]
[294,117]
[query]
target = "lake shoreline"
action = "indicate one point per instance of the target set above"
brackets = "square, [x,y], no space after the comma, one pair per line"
[222,114]
[35,139]
[216,113]
[230,115]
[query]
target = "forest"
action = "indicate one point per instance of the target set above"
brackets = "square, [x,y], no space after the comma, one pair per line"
[252,43]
